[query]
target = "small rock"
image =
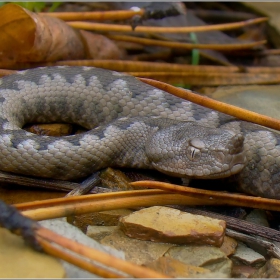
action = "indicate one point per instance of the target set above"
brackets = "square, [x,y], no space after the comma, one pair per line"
[257,216]
[164,224]
[247,256]
[223,267]
[229,246]
[263,99]
[104,218]
[242,271]
[99,232]
[196,255]
[205,256]
[175,268]
[17,260]
[136,251]
[115,179]
[270,270]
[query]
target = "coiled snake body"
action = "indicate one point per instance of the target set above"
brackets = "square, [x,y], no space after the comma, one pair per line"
[131,124]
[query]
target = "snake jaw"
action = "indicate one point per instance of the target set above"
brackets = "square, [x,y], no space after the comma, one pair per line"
[197,152]
[236,165]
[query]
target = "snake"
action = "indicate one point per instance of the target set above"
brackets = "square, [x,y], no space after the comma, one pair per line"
[129,124]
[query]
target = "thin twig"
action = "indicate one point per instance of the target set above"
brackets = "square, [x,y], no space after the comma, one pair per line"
[59,185]
[235,111]
[95,255]
[210,78]
[186,46]
[100,16]
[86,185]
[271,247]
[5,72]
[84,264]
[152,29]
[221,198]
[101,202]
[37,182]
[145,66]
[61,207]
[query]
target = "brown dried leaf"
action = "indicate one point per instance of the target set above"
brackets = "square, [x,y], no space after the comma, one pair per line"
[26,36]
[100,47]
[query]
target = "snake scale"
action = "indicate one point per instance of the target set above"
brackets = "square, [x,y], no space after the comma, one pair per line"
[130,124]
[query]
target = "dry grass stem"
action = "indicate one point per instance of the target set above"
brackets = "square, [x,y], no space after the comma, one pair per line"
[98,256]
[84,264]
[55,208]
[214,196]
[187,46]
[6,72]
[99,16]
[235,111]
[63,209]
[151,29]
[145,66]
[210,78]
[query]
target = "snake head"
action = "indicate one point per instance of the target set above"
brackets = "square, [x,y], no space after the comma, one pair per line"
[194,151]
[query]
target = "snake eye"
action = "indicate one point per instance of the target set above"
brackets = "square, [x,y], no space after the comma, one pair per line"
[193,153]
[197,143]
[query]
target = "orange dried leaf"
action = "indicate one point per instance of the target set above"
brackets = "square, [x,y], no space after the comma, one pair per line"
[26,36]
[13,18]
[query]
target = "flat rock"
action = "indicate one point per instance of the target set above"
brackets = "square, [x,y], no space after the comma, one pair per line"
[136,251]
[99,232]
[270,270]
[229,245]
[247,256]
[164,224]
[115,180]
[175,268]
[263,99]
[257,216]
[242,271]
[17,260]
[208,257]
[103,218]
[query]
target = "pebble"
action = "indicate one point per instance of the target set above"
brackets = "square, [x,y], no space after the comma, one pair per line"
[247,256]
[136,251]
[164,224]
[270,270]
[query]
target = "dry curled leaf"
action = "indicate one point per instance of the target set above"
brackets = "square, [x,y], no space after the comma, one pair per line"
[100,47]
[30,37]
[26,36]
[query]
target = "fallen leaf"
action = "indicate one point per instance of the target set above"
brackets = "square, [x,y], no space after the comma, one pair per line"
[31,37]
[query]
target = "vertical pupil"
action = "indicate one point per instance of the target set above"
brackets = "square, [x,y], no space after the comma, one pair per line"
[193,152]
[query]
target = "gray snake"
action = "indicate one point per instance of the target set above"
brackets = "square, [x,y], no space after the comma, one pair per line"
[131,124]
